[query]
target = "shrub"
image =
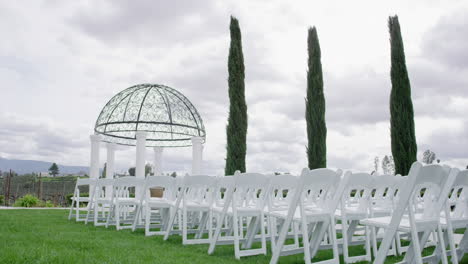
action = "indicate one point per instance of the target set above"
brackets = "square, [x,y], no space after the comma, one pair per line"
[27,201]
[2,199]
[49,204]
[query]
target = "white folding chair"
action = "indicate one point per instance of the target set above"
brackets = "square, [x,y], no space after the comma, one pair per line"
[313,206]
[78,200]
[384,189]
[455,216]
[280,194]
[417,212]
[355,206]
[100,202]
[124,207]
[155,211]
[247,206]
[223,233]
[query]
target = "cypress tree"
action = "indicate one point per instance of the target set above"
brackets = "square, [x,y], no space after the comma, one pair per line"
[315,105]
[237,121]
[402,132]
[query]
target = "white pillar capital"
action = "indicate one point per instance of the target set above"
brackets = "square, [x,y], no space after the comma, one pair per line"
[197,140]
[140,135]
[95,138]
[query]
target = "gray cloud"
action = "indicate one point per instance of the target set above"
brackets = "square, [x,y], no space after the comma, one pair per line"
[149,22]
[446,41]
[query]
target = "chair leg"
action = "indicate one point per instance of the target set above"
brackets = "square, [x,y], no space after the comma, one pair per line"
[336,253]
[262,233]
[442,245]
[147,220]
[184,226]
[117,216]
[344,233]
[305,240]
[236,235]
[374,232]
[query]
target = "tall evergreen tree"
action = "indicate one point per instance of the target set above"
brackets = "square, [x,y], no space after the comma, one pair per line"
[315,105]
[404,147]
[54,169]
[237,122]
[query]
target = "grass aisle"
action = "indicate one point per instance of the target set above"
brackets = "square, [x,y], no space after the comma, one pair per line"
[46,236]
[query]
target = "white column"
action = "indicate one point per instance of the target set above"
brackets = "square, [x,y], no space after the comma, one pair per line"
[158,152]
[94,163]
[140,156]
[110,165]
[197,155]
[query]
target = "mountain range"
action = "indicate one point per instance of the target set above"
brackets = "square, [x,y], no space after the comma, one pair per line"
[36,166]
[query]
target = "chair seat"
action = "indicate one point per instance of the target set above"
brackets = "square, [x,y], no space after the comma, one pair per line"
[352,213]
[311,213]
[244,211]
[80,199]
[404,226]
[457,222]
[126,200]
[160,202]
[198,206]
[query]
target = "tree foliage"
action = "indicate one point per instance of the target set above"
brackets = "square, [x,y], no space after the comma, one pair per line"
[237,121]
[315,105]
[54,170]
[428,157]
[403,138]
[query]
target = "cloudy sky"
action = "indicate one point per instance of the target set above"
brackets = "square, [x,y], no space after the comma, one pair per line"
[61,61]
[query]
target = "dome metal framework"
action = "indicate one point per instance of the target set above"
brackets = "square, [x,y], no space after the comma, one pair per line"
[167,116]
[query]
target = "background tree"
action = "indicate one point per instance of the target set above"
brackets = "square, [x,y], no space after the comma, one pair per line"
[404,147]
[237,121]
[148,170]
[428,157]
[104,171]
[174,174]
[376,164]
[388,166]
[315,105]
[54,170]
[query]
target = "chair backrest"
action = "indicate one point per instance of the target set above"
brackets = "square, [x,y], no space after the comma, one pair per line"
[358,191]
[99,188]
[166,183]
[199,189]
[281,191]
[431,190]
[123,186]
[223,189]
[250,190]
[459,195]
[384,188]
[318,188]
[87,181]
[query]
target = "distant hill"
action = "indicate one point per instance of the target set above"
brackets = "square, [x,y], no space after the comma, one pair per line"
[28,166]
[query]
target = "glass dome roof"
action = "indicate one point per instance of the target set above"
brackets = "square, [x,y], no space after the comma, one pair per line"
[167,116]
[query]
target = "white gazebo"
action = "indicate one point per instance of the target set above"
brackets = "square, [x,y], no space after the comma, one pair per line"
[147,115]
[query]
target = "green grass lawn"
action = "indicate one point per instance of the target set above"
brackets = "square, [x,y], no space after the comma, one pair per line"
[46,236]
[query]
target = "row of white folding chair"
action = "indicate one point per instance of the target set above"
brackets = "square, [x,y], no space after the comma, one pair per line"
[434,183]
